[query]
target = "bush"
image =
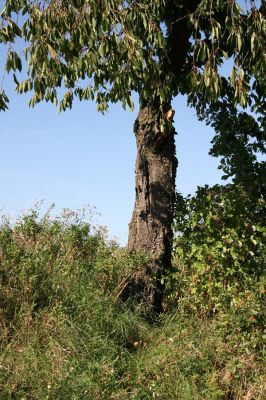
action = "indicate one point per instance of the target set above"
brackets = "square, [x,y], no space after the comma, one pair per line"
[220,254]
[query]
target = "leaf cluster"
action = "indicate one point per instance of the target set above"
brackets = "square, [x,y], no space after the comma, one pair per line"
[239,143]
[98,51]
[221,245]
[105,50]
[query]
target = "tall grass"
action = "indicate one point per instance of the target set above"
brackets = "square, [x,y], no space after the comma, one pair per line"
[65,334]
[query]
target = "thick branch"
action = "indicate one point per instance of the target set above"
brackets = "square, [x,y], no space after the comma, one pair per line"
[178,59]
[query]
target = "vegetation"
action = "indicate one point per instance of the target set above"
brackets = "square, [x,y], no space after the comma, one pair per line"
[66,333]
[105,50]
[221,244]
[74,322]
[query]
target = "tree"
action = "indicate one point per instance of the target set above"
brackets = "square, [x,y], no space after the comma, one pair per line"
[104,50]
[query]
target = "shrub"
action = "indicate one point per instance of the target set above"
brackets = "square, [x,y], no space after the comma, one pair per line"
[220,254]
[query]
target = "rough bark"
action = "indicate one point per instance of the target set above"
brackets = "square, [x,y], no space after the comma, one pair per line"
[150,230]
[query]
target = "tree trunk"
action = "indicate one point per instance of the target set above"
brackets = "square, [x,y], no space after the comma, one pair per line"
[150,230]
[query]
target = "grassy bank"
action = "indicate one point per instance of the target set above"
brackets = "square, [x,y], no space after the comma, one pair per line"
[65,334]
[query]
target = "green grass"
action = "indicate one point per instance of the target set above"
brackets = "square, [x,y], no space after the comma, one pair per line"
[65,334]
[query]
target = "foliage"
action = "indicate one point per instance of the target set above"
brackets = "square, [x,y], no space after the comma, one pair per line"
[105,50]
[240,144]
[220,256]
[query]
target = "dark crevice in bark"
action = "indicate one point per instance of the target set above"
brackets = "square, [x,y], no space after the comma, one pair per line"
[148,195]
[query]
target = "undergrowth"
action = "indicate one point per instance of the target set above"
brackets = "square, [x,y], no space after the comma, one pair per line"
[65,334]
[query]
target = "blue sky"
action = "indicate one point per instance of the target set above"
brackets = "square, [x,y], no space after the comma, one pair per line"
[81,157]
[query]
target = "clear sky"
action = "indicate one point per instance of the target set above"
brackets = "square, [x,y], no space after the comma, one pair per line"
[81,157]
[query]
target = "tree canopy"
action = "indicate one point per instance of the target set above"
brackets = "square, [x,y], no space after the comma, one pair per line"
[103,50]
[106,49]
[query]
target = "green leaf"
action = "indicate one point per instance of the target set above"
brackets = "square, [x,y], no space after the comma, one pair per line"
[52,51]
[102,49]
[130,103]
[239,41]
[252,39]
[232,77]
